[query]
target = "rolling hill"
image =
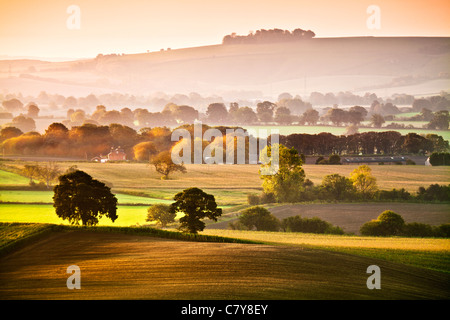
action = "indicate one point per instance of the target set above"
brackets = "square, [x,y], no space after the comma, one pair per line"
[412,65]
[122,266]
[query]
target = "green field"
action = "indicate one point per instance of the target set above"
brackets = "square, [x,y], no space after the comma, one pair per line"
[37,213]
[24,196]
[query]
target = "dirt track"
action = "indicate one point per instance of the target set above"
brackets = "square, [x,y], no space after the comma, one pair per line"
[118,266]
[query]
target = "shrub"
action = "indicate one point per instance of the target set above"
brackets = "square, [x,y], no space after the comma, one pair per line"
[319,159]
[252,199]
[267,197]
[444,230]
[309,225]
[434,192]
[392,222]
[259,218]
[388,223]
[334,159]
[416,229]
[440,159]
[394,194]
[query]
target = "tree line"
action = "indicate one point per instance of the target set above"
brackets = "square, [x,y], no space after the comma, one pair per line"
[89,140]
[289,185]
[269,36]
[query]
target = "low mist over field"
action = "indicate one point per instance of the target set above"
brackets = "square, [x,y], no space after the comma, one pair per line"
[383,65]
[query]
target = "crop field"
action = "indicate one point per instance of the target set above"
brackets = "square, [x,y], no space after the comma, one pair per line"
[230,184]
[126,266]
[284,266]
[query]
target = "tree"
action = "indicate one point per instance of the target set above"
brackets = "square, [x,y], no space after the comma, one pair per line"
[79,197]
[161,213]
[259,218]
[217,113]
[163,164]
[363,181]
[357,114]
[388,223]
[392,222]
[310,117]
[439,121]
[144,151]
[265,110]
[337,186]
[48,173]
[195,204]
[12,105]
[283,116]
[377,120]
[31,171]
[23,123]
[9,132]
[287,183]
[32,110]
[440,159]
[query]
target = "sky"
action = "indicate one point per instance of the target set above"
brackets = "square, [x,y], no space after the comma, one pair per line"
[84,28]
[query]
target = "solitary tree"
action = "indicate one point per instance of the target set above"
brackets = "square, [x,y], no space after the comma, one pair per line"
[287,183]
[163,164]
[337,186]
[377,120]
[79,197]
[161,213]
[363,181]
[195,204]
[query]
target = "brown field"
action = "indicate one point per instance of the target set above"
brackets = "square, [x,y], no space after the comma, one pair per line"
[351,216]
[119,266]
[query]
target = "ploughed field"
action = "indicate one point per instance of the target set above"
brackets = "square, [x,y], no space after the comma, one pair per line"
[126,266]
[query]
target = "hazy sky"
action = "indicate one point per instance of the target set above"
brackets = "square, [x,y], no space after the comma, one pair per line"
[44,28]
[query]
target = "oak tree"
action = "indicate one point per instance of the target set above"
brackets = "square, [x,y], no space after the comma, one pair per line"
[79,197]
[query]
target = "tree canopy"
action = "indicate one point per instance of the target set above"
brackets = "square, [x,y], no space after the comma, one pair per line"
[287,183]
[196,205]
[79,197]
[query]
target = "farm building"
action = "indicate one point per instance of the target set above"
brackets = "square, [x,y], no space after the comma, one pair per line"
[371,160]
[114,154]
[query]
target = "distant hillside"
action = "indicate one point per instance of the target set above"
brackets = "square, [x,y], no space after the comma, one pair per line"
[412,65]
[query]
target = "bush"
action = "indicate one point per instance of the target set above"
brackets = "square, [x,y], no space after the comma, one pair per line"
[434,192]
[309,225]
[372,228]
[440,159]
[388,223]
[334,159]
[394,194]
[444,230]
[418,230]
[259,218]
[252,199]
[268,197]
[392,222]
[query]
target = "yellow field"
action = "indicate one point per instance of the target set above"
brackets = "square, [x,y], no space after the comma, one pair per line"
[293,238]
